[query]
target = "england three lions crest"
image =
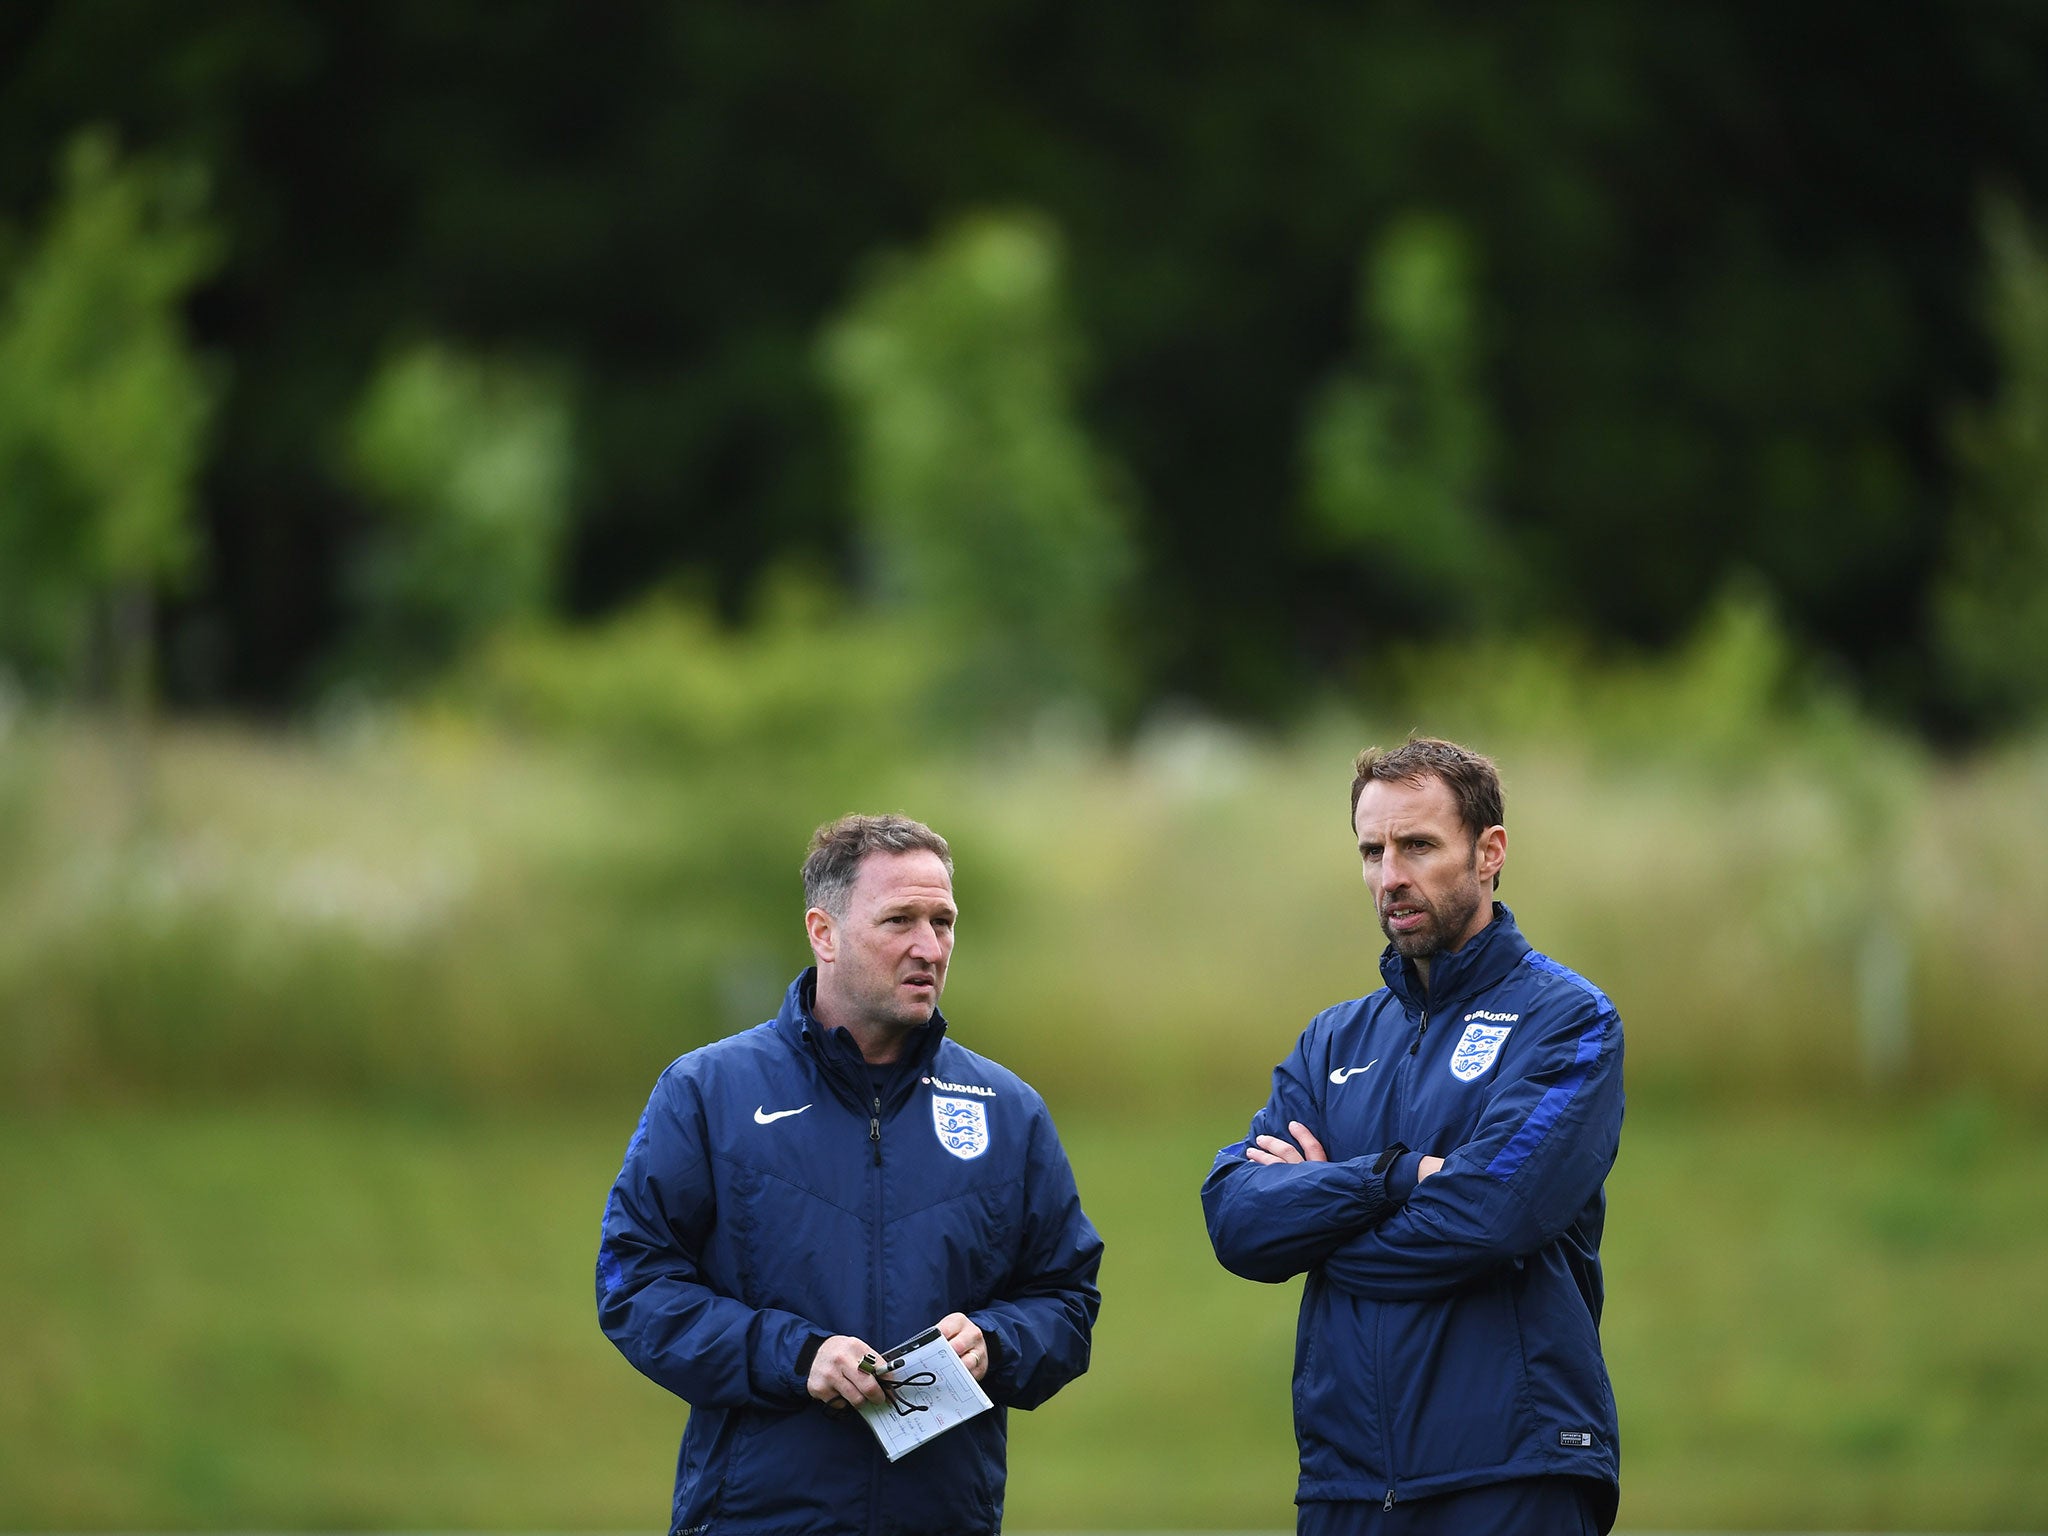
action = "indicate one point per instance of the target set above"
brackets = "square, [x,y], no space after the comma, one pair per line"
[962,1125]
[1476,1049]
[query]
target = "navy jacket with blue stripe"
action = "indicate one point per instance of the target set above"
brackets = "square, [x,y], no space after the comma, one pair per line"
[1449,1330]
[767,1199]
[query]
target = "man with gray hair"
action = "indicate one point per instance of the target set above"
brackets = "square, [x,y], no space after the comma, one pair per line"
[800,1196]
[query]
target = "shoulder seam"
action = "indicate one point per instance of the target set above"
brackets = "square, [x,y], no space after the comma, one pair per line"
[1536,960]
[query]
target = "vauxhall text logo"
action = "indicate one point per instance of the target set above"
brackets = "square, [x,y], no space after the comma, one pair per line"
[1495,1018]
[976,1088]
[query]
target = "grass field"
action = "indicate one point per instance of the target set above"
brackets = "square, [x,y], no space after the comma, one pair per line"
[331,1319]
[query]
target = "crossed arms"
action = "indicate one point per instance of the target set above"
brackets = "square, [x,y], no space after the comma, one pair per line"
[1540,1148]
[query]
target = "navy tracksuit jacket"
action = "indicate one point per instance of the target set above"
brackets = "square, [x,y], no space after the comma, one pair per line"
[1449,1330]
[768,1199]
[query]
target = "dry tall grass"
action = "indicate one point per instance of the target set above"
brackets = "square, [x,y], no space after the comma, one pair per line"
[439,911]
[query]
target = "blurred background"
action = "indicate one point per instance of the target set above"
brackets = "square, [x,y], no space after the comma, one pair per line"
[479,483]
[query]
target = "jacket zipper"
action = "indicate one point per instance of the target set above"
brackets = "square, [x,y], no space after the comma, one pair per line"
[875,1140]
[1386,1428]
[1386,1431]
[831,1070]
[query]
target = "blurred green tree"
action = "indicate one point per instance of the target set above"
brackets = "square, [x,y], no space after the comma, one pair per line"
[1724,296]
[468,462]
[986,509]
[1993,599]
[1399,444]
[104,408]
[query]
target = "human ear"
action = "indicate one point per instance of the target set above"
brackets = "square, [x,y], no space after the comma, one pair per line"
[823,934]
[1492,846]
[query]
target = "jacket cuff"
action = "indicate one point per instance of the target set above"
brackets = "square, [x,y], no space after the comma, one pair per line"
[1403,1176]
[806,1358]
[994,1347]
[993,1380]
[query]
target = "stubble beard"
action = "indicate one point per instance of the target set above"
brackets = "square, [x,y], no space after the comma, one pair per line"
[891,1014]
[887,1028]
[875,1013]
[1445,929]
[904,1021]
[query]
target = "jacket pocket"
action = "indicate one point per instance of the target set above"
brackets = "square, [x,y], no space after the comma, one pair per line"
[1460,1378]
[1337,1386]
[702,1467]
[952,1485]
[795,1471]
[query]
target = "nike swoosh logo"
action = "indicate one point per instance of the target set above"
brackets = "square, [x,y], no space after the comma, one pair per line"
[1342,1073]
[762,1117]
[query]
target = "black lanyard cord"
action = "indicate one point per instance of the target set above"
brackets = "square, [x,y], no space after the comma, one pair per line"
[891,1384]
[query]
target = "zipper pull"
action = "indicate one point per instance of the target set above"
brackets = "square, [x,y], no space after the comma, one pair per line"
[1414,1046]
[875,1131]
[1390,1502]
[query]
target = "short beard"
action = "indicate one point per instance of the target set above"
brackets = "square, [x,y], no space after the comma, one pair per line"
[1446,926]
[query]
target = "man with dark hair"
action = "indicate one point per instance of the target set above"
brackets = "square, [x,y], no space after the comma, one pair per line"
[1433,1157]
[808,1193]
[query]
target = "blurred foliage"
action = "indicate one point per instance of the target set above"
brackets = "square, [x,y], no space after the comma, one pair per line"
[1400,450]
[543,888]
[1719,267]
[1737,690]
[666,681]
[1994,599]
[470,463]
[988,513]
[104,409]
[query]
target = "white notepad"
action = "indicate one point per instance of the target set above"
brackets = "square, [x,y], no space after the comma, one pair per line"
[923,1408]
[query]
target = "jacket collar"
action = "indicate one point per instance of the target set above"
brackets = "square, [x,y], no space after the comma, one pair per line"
[797,1024]
[1485,960]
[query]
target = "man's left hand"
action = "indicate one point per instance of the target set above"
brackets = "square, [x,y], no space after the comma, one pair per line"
[1278,1149]
[967,1341]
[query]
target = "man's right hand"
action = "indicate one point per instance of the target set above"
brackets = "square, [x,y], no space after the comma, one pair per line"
[836,1377]
[1268,1150]
[1426,1167]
